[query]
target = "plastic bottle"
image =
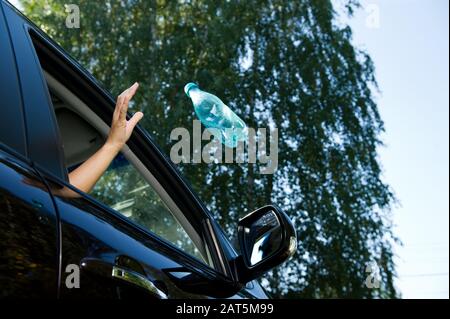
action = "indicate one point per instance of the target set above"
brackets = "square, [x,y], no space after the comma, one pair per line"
[223,123]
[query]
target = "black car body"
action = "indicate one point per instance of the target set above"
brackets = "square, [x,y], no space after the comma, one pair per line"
[50,231]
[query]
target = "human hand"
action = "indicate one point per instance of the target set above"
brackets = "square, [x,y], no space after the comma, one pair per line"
[121,129]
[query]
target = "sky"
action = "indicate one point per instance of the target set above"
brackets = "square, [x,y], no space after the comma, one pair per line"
[408,41]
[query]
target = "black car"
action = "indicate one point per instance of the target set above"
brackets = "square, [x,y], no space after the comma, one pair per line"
[58,242]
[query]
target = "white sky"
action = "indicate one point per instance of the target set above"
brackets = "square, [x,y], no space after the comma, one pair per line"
[16,3]
[410,49]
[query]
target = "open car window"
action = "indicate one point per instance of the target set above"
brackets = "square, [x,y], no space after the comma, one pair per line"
[83,111]
[126,186]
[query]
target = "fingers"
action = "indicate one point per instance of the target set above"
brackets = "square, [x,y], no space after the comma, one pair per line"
[135,119]
[117,108]
[127,96]
[123,99]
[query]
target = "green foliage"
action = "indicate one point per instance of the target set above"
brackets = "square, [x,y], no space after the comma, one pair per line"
[282,62]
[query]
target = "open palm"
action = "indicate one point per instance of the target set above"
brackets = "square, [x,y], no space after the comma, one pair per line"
[121,129]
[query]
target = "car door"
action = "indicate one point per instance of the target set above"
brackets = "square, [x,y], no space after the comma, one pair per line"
[116,256]
[28,220]
[29,236]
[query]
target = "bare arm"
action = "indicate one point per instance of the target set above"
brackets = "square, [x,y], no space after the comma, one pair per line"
[87,174]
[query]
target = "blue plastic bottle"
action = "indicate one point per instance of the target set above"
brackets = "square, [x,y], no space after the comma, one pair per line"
[223,123]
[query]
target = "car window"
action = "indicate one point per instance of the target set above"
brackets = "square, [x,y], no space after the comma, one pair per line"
[12,131]
[125,190]
[121,187]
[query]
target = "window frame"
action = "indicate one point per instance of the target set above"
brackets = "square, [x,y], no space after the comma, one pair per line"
[81,108]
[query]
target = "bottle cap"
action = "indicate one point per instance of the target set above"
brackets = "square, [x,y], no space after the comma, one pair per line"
[189,86]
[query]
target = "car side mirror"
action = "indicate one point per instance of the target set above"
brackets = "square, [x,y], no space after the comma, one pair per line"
[267,238]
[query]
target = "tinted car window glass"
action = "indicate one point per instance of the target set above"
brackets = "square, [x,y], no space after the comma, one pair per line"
[12,131]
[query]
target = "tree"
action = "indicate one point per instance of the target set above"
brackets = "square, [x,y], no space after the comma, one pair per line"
[283,64]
